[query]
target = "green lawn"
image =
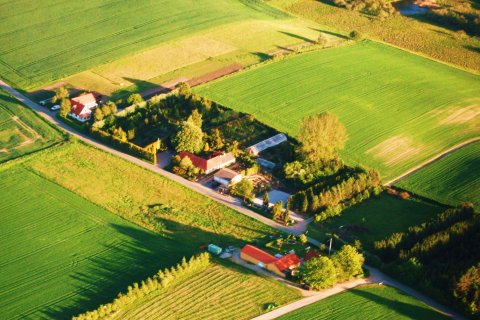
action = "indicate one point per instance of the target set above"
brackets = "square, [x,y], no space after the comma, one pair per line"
[49,40]
[453,179]
[219,292]
[61,255]
[377,218]
[21,130]
[367,302]
[399,108]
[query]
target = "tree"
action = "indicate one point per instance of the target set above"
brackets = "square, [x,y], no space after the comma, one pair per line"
[243,189]
[355,35]
[134,98]
[348,262]
[216,141]
[189,138]
[184,89]
[65,107]
[286,215]
[303,239]
[321,136]
[266,201]
[322,40]
[97,114]
[195,118]
[60,94]
[319,273]
[277,210]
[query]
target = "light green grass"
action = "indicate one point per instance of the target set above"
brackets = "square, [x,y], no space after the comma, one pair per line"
[399,109]
[453,179]
[21,130]
[61,255]
[377,218]
[219,292]
[367,302]
[48,40]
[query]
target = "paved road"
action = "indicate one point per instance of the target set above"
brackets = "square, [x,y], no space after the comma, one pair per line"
[429,161]
[228,201]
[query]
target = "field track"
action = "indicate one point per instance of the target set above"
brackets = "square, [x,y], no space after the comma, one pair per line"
[430,161]
[215,196]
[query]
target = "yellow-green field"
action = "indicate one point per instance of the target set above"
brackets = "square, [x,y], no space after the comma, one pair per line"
[219,292]
[399,108]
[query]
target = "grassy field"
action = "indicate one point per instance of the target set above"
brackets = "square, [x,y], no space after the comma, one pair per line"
[399,108]
[61,254]
[410,33]
[367,302]
[52,39]
[21,130]
[453,179]
[377,218]
[220,292]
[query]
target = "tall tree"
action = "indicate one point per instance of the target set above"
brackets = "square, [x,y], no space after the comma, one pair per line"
[134,98]
[266,201]
[319,273]
[60,94]
[65,107]
[277,210]
[189,138]
[243,189]
[348,262]
[195,118]
[321,136]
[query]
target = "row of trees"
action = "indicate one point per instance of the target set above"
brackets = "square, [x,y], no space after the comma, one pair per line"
[381,8]
[318,197]
[323,272]
[440,257]
[160,281]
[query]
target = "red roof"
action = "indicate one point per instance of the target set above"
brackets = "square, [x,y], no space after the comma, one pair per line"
[85,99]
[310,255]
[258,254]
[209,164]
[287,261]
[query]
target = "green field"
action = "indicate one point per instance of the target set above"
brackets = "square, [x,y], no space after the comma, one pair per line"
[61,255]
[219,292]
[21,130]
[377,218]
[453,179]
[367,302]
[49,40]
[399,108]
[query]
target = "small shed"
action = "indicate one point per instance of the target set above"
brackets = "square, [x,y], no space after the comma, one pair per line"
[214,249]
[227,177]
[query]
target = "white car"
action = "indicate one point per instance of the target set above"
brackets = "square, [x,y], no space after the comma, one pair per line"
[55,107]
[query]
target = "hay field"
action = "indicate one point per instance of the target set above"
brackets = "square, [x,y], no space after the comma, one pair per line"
[453,179]
[399,108]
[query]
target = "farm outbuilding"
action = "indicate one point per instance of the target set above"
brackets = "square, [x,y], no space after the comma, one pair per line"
[280,266]
[227,177]
[209,165]
[267,143]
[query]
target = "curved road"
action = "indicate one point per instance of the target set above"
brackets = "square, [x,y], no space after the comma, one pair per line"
[429,161]
[233,203]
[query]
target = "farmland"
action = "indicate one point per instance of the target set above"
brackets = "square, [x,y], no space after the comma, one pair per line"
[21,130]
[62,254]
[412,33]
[399,109]
[367,302]
[220,292]
[126,45]
[453,179]
[377,218]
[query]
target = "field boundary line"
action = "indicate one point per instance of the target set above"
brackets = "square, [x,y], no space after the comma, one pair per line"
[431,160]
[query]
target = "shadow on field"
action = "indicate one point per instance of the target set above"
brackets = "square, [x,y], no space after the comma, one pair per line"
[406,309]
[473,48]
[262,56]
[120,264]
[293,35]
[8,99]
[331,33]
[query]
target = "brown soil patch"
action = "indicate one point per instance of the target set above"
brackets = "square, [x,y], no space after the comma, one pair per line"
[462,115]
[163,88]
[216,74]
[395,149]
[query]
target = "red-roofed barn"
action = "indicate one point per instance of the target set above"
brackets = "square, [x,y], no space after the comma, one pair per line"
[212,164]
[82,107]
[280,266]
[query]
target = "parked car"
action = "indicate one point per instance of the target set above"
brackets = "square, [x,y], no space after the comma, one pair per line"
[55,107]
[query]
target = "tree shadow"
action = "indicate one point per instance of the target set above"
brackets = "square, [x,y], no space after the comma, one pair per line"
[405,309]
[336,34]
[7,98]
[296,36]
[262,56]
[472,48]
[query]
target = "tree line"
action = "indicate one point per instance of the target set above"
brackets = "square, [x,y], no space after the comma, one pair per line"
[160,281]
[440,257]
